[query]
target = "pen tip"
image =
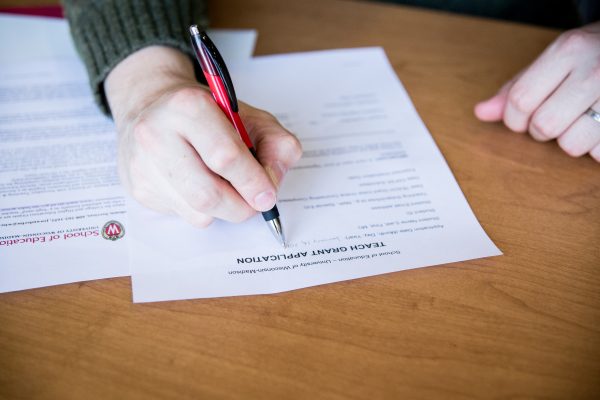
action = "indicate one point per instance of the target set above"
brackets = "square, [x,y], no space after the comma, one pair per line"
[194,30]
[277,231]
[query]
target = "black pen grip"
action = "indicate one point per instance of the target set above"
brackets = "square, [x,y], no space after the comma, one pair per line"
[271,214]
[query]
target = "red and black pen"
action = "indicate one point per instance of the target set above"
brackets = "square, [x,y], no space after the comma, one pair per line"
[221,86]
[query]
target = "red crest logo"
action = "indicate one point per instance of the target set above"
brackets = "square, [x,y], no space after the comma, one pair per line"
[113,230]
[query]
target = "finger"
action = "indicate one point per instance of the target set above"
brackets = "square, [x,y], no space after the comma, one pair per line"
[581,137]
[225,154]
[189,183]
[492,109]
[180,206]
[201,122]
[278,153]
[146,186]
[196,189]
[572,98]
[533,87]
[160,195]
[190,215]
[276,147]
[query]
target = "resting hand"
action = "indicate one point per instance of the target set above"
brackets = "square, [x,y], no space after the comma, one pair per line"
[178,153]
[550,97]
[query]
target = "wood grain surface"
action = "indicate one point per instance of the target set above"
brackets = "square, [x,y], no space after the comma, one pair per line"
[525,325]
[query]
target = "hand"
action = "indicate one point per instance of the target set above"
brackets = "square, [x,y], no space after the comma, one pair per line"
[178,153]
[550,97]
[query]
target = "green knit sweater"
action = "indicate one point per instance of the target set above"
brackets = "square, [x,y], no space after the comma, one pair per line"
[107,31]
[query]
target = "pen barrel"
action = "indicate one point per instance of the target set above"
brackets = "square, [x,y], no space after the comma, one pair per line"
[202,56]
[239,126]
[220,95]
[219,81]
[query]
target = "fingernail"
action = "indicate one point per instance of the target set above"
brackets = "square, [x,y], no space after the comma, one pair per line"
[480,109]
[484,103]
[489,110]
[264,201]
[272,176]
[276,172]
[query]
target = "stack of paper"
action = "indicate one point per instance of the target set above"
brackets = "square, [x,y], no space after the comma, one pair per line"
[372,193]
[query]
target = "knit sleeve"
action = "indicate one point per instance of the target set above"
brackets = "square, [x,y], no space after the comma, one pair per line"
[107,31]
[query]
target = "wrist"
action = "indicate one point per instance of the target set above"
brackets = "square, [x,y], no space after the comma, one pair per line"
[144,77]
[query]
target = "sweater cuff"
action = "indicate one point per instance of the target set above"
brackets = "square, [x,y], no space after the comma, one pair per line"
[107,31]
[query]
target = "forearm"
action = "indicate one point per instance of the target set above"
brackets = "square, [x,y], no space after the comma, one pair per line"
[106,32]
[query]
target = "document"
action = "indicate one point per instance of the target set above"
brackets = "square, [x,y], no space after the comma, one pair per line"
[372,193]
[62,210]
[26,38]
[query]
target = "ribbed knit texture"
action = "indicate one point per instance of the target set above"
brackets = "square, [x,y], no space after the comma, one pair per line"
[107,31]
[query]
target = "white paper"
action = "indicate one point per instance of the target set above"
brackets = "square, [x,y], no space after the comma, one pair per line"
[235,45]
[58,181]
[372,193]
[26,38]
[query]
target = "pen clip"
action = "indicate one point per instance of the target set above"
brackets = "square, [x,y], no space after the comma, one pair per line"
[216,63]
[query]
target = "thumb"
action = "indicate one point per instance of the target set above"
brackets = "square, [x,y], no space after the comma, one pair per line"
[492,109]
[277,148]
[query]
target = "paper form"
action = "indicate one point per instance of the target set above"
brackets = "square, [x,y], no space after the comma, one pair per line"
[26,38]
[62,209]
[372,194]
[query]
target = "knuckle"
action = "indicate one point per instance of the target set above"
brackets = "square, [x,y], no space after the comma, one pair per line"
[184,95]
[573,40]
[199,220]
[206,200]
[515,126]
[570,148]
[255,184]
[143,133]
[518,97]
[223,157]
[190,98]
[544,126]
[293,146]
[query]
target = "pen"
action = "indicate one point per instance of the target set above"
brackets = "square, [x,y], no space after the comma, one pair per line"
[221,86]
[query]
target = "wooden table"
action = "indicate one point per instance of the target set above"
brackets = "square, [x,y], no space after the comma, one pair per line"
[523,325]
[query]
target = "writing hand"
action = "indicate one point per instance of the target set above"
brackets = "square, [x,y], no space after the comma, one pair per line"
[178,152]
